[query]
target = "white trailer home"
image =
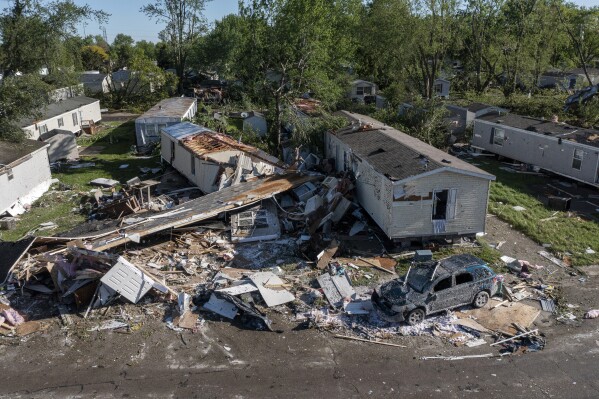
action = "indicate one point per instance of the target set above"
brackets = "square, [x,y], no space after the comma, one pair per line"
[68,114]
[410,189]
[565,150]
[213,160]
[362,88]
[24,174]
[167,112]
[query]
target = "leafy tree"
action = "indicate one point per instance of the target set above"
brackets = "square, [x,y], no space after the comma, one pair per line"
[20,97]
[93,57]
[184,23]
[33,31]
[219,49]
[148,48]
[480,35]
[289,49]
[121,50]
[582,27]
[435,32]
[145,81]
[385,45]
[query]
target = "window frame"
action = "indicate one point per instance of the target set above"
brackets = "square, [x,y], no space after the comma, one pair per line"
[193,164]
[75,118]
[450,278]
[43,128]
[60,122]
[577,159]
[462,274]
[494,136]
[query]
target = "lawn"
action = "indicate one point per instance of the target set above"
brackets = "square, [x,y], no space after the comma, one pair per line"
[114,148]
[568,235]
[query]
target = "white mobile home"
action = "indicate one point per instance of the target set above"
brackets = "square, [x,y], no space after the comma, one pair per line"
[558,80]
[362,88]
[167,112]
[411,189]
[441,88]
[95,82]
[566,150]
[24,174]
[461,118]
[68,114]
[213,160]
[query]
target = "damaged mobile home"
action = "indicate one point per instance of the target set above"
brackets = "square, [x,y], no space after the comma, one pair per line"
[24,174]
[167,112]
[213,160]
[565,150]
[411,189]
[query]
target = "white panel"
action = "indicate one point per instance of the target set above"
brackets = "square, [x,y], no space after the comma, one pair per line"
[127,280]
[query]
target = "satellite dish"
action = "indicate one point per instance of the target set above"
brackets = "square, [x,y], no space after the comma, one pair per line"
[244,115]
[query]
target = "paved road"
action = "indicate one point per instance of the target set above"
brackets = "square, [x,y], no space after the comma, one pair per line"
[223,361]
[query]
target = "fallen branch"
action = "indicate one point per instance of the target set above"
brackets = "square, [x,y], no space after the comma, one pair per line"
[370,342]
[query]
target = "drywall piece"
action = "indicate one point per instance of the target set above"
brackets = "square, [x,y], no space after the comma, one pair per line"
[361,306]
[341,209]
[271,288]
[127,280]
[239,289]
[102,182]
[221,307]
[336,288]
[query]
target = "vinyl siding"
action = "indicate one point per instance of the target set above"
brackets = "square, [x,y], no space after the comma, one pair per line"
[536,149]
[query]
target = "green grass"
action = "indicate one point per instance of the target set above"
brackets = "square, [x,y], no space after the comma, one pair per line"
[56,206]
[567,235]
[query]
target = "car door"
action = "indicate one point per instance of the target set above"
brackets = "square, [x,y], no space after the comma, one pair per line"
[441,294]
[464,288]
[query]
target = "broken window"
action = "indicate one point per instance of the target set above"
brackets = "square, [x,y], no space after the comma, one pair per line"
[362,90]
[193,164]
[438,88]
[497,136]
[443,284]
[444,204]
[151,131]
[250,220]
[577,159]
[60,122]
[463,278]
[440,204]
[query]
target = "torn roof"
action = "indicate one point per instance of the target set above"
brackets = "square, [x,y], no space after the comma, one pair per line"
[546,127]
[170,107]
[203,142]
[396,154]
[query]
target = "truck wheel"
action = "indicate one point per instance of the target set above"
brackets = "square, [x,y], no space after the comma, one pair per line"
[415,317]
[481,299]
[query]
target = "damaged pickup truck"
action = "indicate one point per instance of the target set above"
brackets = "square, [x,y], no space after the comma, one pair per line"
[435,286]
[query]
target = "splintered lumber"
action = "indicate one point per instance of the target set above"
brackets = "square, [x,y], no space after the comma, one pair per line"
[514,337]
[202,208]
[377,267]
[370,342]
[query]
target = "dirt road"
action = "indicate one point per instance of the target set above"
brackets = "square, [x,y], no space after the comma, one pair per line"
[224,361]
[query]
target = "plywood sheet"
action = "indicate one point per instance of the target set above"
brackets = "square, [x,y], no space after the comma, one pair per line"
[502,317]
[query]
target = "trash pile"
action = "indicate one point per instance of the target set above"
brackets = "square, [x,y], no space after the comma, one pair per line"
[298,246]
